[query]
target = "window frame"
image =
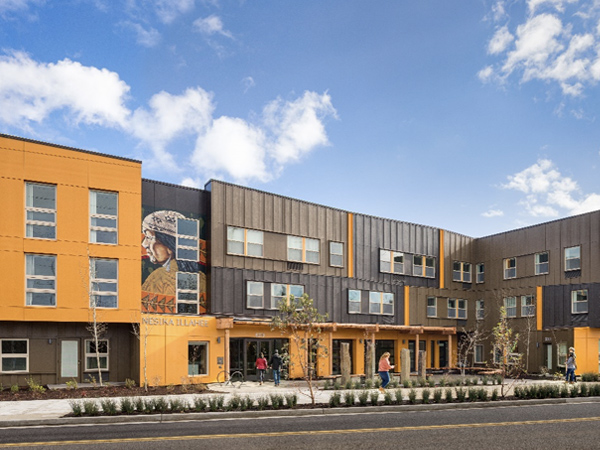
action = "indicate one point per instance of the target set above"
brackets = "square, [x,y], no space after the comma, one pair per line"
[287,296]
[96,215]
[478,352]
[461,275]
[511,308]
[567,260]
[574,301]
[507,268]
[480,309]
[246,242]
[4,356]
[186,246]
[206,360]
[354,302]
[424,268]
[30,224]
[381,303]
[539,265]
[431,314]
[304,251]
[452,308]
[248,294]
[528,310]
[33,277]
[461,311]
[95,280]
[480,274]
[179,290]
[92,355]
[333,254]
[392,261]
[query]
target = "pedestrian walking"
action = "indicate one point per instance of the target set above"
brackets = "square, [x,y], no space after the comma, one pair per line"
[571,366]
[384,370]
[261,366]
[275,363]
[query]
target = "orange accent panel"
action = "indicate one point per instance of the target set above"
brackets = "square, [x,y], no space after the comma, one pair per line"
[406,305]
[539,307]
[442,284]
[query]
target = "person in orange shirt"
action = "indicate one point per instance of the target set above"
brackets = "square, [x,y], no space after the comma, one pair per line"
[384,370]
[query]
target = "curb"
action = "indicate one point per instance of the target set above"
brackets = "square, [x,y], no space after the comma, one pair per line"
[195,416]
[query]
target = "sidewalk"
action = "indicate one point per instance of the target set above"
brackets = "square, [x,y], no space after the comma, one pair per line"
[52,412]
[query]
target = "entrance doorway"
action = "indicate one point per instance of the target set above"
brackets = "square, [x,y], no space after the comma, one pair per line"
[336,356]
[443,353]
[69,359]
[245,351]
[548,356]
[411,349]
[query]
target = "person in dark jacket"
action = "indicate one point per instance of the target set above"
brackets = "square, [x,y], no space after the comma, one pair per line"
[275,363]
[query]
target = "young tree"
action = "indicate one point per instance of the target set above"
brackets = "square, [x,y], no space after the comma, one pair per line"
[504,354]
[301,321]
[466,345]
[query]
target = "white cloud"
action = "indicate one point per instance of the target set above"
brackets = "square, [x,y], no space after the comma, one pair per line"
[168,10]
[146,37]
[493,213]
[17,5]
[248,83]
[500,41]
[486,74]
[548,192]
[558,5]
[211,25]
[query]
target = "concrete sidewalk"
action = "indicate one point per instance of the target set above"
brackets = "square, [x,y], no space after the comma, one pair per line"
[52,412]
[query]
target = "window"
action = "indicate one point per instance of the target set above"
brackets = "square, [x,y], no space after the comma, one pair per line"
[40,276]
[541,263]
[303,249]
[40,211]
[527,306]
[91,361]
[14,354]
[245,242]
[480,273]
[510,268]
[451,308]
[510,305]
[561,354]
[479,310]
[431,307]
[354,301]
[104,283]
[462,309]
[188,296]
[573,258]
[461,271]
[255,295]
[424,266]
[283,292]
[336,254]
[478,354]
[579,302]
[188,247]
[103,217]
[381,303]
[197,358]
[391,262]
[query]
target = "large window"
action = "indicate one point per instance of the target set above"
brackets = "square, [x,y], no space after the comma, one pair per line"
[14,355]
[480,309]
[354,301]
[461,271]
[424,266]
[510,305]
[510,268]
[478,354]
[431,307]
[480,273]
[381,303]
[188,247]
[197,358]
[572,258]
[541,263]
[302,249]
[579,301]
[103,217]
[284,292]
[255,295]
[188,295]
[40,211]
[336,254]
[527,306]
[104,282]
[245,242]
[391,262]
[40,280]
[451,308]
[91,360]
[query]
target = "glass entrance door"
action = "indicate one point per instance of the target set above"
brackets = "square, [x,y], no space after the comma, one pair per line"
[69,359]
[252,349]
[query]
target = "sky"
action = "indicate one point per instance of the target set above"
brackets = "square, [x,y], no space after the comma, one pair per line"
[475,116]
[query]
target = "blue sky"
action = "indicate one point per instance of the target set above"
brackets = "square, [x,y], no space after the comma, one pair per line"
[474,116]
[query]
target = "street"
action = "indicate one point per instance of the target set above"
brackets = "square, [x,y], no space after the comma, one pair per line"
[572,425]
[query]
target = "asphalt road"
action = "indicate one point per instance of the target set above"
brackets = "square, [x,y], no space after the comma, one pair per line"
[574,425]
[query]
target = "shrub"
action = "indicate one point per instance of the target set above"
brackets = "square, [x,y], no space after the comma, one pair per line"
[348,384]
[449,397]
[277,400]
[398,395]
[14,389]
[425,394]
[349,398]
[138,403]
[90,408]
[473,394]
[247,403]
[363,398]
[518,392]
[34,386]
[327,385]
[475,381]
[583,390]
[431,382]
[161,405]
[412,396]
[485,380]
[215,403]
[374,398]
[574,391]
[482,394]
[337,385]
[595,389]
[564,391]
[262,402]
[199,404]
[368,384]
[421,382]
[437,395]
[406,384]
[387,398]
[234,403]
[149,405]
[356,385]
[590,376]
[335,399]
[377,382]
[495,395]
[129,383]
[461,394]
[177,405]
[127,406]
[109,406]
[72,384]
[291,400]
[393,384]
[76,408]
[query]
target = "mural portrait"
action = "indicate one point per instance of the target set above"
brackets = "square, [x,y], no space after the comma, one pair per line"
[173,264]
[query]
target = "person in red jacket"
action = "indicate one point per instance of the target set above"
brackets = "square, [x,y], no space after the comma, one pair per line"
[384,370]
[261,366]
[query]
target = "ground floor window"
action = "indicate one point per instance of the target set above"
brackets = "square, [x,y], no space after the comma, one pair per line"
[91,356]
[197,358]
[336,356]
[478,354]
[14,354]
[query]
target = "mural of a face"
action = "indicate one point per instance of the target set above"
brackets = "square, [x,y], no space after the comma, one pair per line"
[156,250]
